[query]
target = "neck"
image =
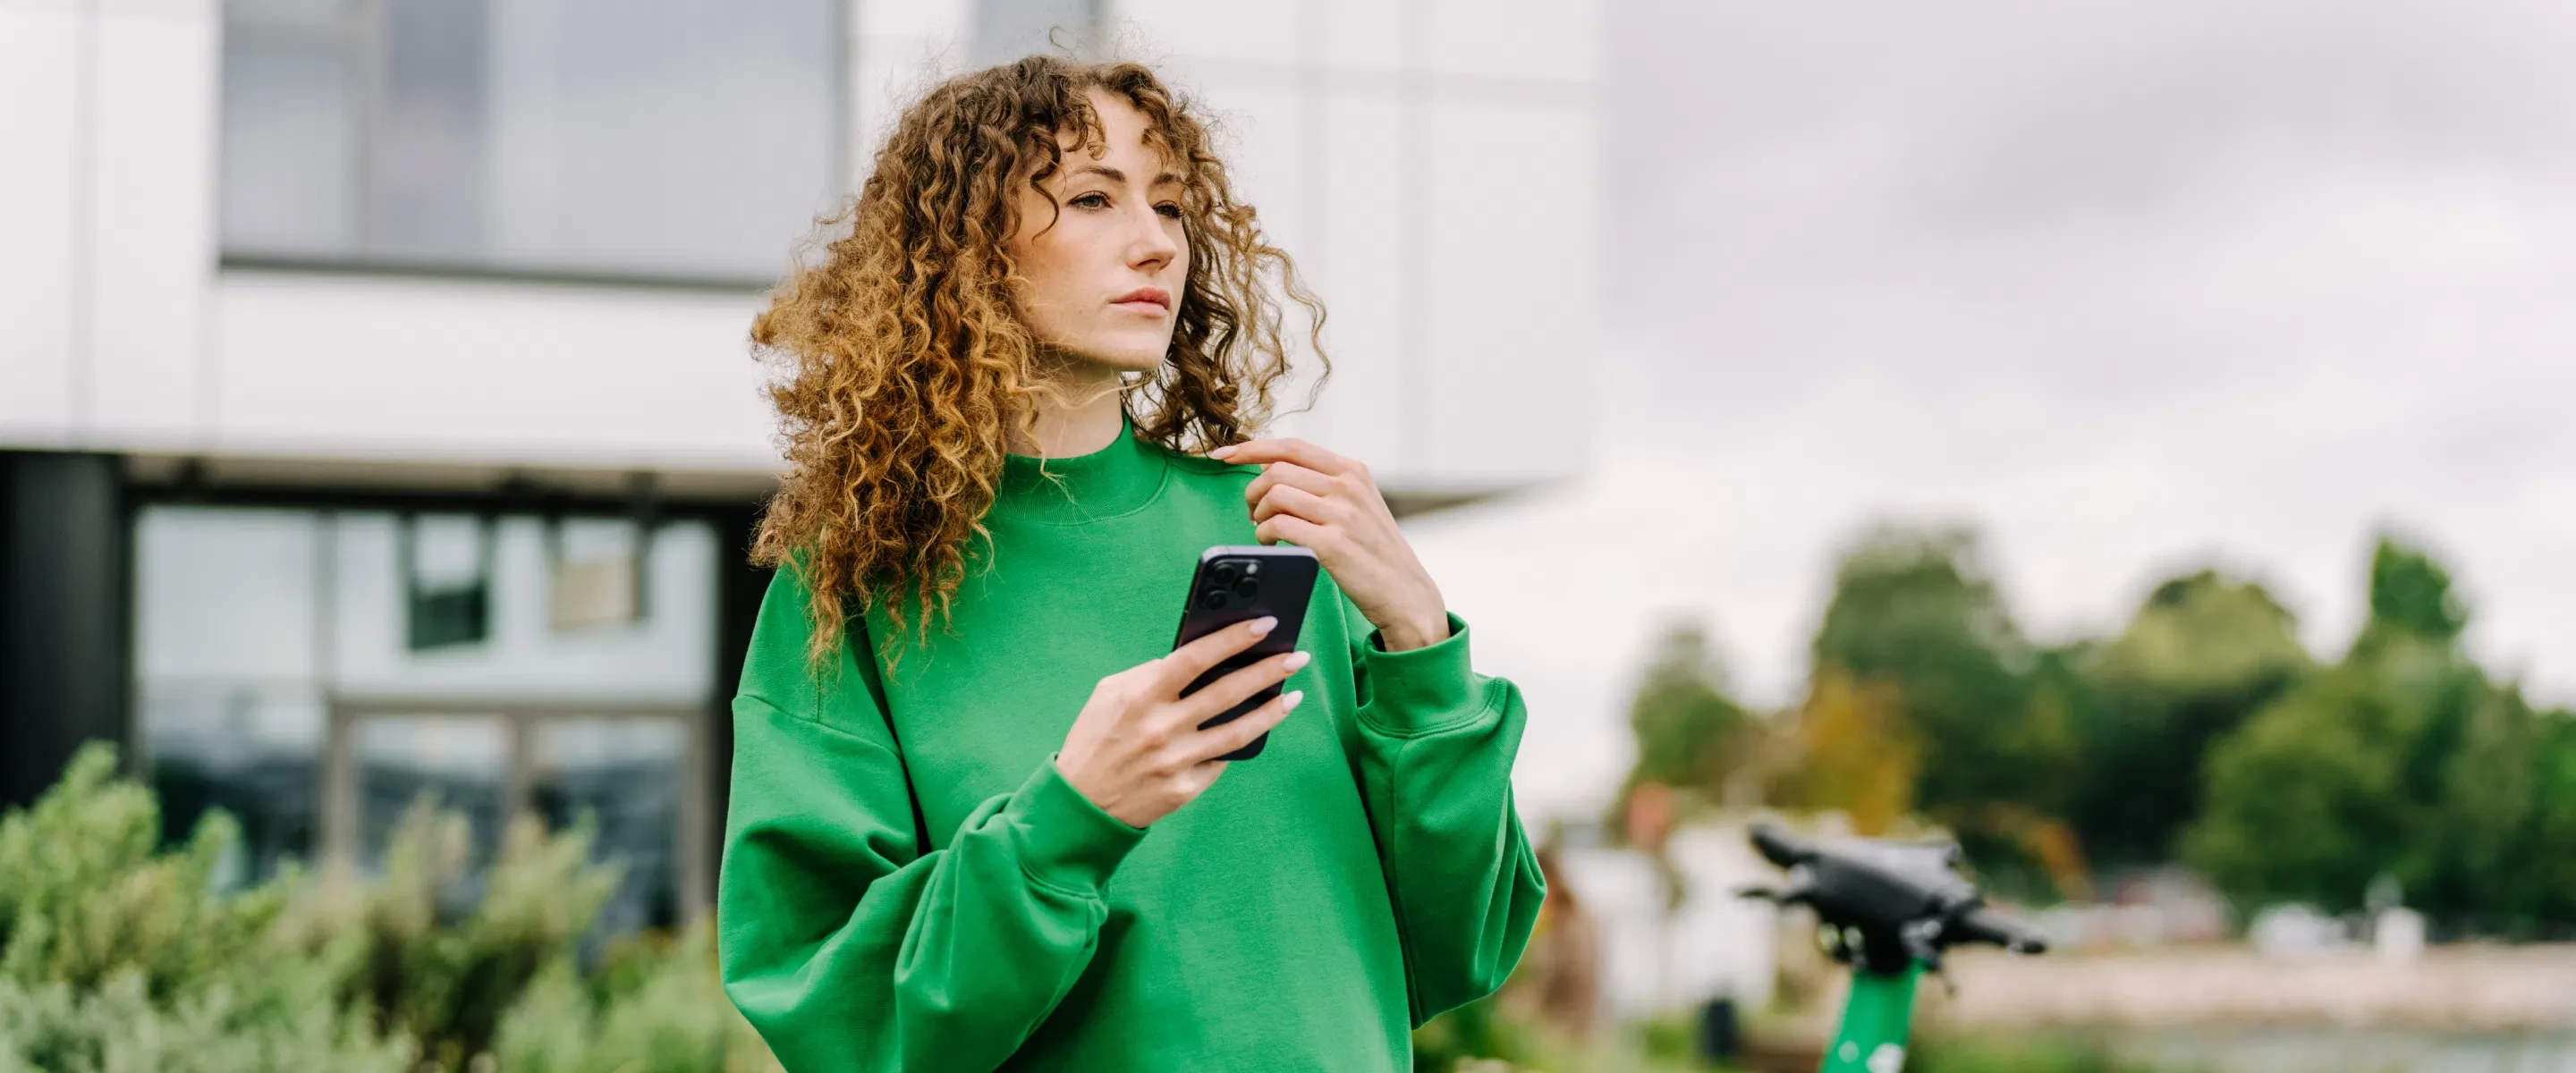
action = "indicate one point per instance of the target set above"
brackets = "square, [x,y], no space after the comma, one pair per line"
[1085,419]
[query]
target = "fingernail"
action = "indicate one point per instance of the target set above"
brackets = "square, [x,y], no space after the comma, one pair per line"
[1291,699]
[1297,659]
[1263,624]
[1221,452]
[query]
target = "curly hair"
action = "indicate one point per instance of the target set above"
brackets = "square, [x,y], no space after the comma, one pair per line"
[906,364]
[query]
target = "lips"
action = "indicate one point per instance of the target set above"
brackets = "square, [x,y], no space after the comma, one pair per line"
[1153,296]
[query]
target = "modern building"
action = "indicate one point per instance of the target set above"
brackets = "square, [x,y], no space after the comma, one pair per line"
[376,414]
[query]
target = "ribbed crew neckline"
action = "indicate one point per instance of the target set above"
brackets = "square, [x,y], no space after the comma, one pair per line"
[1117,479]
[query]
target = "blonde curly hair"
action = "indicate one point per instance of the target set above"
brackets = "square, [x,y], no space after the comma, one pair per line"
[906,365]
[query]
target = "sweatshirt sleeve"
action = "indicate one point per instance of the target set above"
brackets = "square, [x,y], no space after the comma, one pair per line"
[849,949]
[1437,743]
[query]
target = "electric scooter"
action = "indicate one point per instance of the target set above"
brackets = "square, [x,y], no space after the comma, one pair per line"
[1887,909]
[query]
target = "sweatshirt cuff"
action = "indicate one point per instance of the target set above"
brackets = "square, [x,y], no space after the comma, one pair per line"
[1066,841]
[1423,688]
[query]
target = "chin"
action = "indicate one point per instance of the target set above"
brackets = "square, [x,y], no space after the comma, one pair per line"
[1126,356]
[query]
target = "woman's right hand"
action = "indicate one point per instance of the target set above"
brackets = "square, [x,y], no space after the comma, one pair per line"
[1137,750]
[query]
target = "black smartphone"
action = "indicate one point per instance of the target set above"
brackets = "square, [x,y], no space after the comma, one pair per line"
[1237,583]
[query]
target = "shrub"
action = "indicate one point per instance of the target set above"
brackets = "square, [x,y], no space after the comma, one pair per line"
[118,955]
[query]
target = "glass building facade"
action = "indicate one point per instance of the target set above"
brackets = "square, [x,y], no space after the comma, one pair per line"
[285,673]
[656,138]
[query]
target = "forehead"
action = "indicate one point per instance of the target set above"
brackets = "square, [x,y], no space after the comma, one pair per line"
[1126,137]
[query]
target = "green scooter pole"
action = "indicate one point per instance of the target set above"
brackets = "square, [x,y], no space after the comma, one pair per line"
[1888,910]
[1876,1021]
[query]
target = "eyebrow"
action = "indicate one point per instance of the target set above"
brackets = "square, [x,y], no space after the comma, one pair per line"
[1116,176]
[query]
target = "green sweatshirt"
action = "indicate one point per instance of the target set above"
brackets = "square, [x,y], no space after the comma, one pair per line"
[1365,872]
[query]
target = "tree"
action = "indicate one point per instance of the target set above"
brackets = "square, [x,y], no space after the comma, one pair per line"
[2404,760]
[2410,596]
[1851,750]
[1917,608]
[1690,734]
[2202,654]
[2306,802]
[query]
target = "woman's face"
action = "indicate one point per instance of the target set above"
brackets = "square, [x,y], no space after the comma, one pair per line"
[1104,276]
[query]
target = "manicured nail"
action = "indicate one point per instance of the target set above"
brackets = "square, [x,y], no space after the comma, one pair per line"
[1291,699]
[1263,624]
[1297,659]
[1221,452]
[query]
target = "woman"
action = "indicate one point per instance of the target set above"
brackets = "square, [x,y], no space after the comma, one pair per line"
[972,824]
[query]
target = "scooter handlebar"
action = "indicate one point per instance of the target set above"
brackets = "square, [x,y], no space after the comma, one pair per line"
[1983,925]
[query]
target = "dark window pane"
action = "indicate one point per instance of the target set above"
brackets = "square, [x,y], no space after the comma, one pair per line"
[457,764]
[250,751]
[626,775]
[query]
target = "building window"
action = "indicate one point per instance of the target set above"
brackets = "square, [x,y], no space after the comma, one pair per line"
[278,680]
[690,139]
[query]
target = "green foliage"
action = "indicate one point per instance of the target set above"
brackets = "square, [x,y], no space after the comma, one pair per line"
[2203,731]
[1477,1030]
[118,955]
[1690,733]
[2305,803]
[446,982]
[1917,607]
[2404,760]
[1852,752]
[657,1007]
[2411,594]
[2197,660]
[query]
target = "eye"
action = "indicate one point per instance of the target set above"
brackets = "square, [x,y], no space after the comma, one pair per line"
[1170,210]
[1093,200]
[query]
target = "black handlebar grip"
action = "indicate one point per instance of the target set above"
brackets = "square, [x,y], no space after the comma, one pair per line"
[1988,926]
[1780,847]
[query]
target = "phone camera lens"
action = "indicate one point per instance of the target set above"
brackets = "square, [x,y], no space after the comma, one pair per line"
[1246,587]
[1226,573]
[1213,599]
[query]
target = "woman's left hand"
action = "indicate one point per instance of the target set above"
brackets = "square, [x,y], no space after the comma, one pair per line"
[1329,505]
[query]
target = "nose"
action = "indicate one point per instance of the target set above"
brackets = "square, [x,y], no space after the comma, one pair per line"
[1152,246]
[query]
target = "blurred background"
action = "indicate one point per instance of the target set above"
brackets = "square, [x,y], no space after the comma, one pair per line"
[2130,439]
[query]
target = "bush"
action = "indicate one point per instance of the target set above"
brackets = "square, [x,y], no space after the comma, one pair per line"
[118,955]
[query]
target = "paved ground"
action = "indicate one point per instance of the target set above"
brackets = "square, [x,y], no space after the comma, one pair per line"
[2448,989]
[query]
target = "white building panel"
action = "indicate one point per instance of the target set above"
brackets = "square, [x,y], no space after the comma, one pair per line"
[488,371]
[897,51]
[1513,287]
[151,221]
[1359,264]
[1520,40]
[41,62]
[1256,32]
[1365,35]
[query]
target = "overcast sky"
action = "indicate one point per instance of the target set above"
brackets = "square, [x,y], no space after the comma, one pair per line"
[2132,287]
